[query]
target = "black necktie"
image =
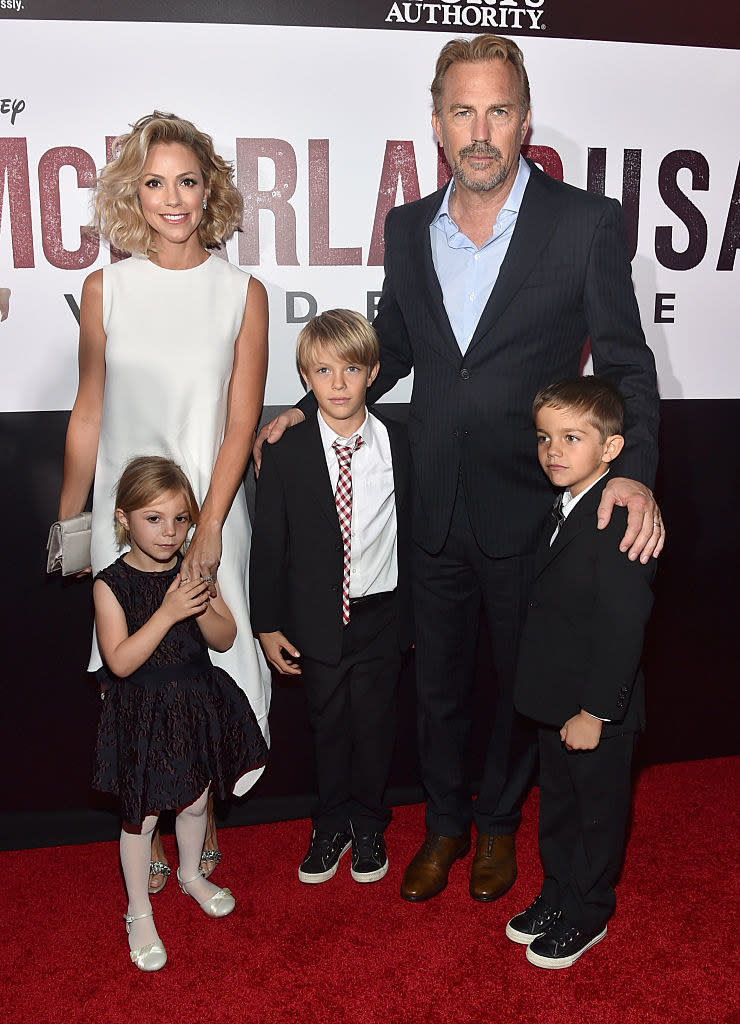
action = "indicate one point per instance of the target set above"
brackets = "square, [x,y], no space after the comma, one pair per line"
[556,513]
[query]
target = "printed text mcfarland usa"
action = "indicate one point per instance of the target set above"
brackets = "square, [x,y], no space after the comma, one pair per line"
[398,182]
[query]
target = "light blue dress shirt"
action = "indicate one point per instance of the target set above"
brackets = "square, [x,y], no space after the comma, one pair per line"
[466,273]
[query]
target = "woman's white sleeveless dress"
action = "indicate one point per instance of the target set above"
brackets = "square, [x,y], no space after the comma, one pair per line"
[169,353]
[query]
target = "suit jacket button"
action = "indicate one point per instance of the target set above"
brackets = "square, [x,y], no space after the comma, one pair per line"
[464,374]
[455,433]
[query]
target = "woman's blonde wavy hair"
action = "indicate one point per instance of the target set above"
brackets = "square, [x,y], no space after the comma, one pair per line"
[117,211]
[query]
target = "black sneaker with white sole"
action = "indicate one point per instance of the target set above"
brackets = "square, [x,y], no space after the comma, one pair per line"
[325,851]
[535,920]
[369,857]
[562,945]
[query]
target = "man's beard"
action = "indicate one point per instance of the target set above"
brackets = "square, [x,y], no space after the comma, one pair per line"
[497,174]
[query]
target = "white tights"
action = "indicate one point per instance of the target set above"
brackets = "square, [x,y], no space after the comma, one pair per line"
[190,829]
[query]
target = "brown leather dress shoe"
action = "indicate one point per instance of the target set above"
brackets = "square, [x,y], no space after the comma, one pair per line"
[494,867]
[427,873]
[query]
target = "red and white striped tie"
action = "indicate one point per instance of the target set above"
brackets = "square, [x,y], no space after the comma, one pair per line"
[343,501]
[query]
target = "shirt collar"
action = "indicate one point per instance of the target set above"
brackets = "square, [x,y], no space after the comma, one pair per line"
[329,436]
[569,502]
[512,203]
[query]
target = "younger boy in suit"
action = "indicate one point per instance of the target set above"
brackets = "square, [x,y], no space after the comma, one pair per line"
[579,675]
[329,586]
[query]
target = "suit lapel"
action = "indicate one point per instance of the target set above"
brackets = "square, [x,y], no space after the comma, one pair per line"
[581,518]
[537,219]
[314,471]
[421,244]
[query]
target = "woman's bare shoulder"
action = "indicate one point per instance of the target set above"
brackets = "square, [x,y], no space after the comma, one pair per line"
[92,286]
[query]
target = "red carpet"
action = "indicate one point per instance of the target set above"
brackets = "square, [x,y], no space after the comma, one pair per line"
[342,952]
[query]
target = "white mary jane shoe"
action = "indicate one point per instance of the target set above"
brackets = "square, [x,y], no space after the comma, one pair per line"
[152,957]
[219,905]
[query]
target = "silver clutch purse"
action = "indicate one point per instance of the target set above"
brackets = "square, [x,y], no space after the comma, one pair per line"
[68,546]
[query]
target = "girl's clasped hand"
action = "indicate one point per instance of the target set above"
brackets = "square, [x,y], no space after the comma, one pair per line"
[186,597]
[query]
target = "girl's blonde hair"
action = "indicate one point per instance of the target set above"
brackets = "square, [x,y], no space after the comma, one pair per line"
[117,212]
[143,481]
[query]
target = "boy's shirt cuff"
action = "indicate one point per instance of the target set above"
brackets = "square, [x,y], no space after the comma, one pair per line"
[598,717]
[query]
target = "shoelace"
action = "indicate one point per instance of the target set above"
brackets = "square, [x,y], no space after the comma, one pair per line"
[562,932]
[367,845]
[327,842]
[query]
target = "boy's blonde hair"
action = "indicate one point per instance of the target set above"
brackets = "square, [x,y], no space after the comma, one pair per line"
[344,333]
[592,397]
[143,481]
[118,216]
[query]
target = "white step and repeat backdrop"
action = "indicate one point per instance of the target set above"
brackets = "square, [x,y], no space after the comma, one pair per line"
[328,128]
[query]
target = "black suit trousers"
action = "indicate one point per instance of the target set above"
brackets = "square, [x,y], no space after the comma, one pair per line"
[585,799]
[353,711]
[449,588]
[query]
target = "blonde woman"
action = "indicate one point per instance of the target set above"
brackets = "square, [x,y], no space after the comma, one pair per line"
[172,362]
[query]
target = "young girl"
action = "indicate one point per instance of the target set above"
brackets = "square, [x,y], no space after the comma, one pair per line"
[172,724]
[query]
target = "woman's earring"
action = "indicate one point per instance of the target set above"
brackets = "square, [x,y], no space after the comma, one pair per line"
[205,205]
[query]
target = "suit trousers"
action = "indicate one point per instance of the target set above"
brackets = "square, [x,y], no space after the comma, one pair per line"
[449,588]
[353,711]
[585,799]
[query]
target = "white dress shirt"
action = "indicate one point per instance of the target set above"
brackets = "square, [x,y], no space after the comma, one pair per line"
[373,549]
[569,503]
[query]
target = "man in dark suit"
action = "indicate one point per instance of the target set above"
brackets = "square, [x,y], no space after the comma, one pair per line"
[493,286]
[578,675]
[330,586]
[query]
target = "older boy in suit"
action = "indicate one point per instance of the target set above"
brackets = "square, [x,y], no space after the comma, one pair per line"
[579,675]
[329,586]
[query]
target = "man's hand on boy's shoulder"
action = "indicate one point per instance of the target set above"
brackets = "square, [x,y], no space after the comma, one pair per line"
[581,732]
[280,652]
[273,431]
[645,533]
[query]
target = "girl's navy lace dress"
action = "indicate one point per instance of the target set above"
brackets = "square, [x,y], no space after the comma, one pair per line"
[178,722]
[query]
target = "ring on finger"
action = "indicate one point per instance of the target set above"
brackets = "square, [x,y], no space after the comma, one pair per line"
[207,579]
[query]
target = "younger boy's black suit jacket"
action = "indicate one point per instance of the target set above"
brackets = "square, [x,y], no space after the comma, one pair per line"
[297,560]
[583,636]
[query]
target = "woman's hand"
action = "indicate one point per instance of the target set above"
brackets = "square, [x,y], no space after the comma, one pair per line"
[203,556]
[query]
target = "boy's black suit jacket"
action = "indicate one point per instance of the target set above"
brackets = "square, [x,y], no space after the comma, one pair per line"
[583,636]
[297,559]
